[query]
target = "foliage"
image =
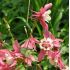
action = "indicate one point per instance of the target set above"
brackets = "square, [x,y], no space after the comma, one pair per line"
[15,12]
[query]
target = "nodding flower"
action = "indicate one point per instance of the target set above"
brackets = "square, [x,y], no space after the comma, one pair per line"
[7,61]
[30,43]
[17,51]
[50,47]
[43,15]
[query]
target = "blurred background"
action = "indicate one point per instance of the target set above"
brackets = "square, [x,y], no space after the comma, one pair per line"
[16,14]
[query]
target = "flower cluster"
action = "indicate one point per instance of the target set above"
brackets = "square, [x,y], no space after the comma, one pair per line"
[49,46]
[9,59]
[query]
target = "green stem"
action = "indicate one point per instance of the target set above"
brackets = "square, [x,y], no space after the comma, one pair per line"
[28,16]
[37,5]
[8,28]
[38,28]
[28,10]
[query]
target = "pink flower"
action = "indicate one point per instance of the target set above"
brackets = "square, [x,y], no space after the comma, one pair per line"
[7,61]
[16,52]
[46,43]
[4,67]
[30,43]
[55,59]
[29,60]
[41,55]
[43,15]
[16,46]
[19,56]
[50,47]
[49,44]
[53,55]
[56,42]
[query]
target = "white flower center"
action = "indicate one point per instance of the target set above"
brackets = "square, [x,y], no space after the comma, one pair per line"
[49,41]
[46,16]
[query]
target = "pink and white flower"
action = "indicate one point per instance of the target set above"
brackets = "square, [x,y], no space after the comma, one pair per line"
[43,15]
[7,61]
[30,43]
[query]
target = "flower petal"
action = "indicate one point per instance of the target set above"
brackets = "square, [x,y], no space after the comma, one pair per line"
[41,55]
[48,6]
[16,46]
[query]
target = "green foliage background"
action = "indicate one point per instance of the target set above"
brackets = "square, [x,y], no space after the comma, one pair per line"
[15,11]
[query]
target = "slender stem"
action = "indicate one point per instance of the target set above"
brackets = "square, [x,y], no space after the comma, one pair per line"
[38,28]
[28,10]
[28,15]
[8,28]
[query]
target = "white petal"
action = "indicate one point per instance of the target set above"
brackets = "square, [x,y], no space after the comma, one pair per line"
[46,16]
[48,12]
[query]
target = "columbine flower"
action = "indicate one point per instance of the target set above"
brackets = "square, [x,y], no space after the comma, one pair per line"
[55,42]
[16,52]
[30,43]
[7,61]
[43,15]
[50,47]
